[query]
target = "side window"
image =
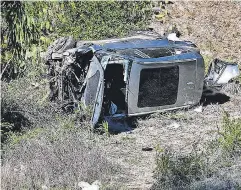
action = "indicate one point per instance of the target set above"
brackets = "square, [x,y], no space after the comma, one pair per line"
[158,86]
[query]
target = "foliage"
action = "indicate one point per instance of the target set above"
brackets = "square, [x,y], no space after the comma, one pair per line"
[178,171]
[101,19]
[20,35]
[19,30]
[28,27]
[202,169]
[230,138]
[105,128]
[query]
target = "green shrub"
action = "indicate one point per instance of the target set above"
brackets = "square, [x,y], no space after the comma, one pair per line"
[230,138]
[212,168]
[101,19]
[178,171]
[29,27]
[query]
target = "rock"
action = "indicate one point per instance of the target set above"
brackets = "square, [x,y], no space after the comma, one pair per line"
[86,186]
[173,37]
[44,187]
[174,125]
[198,109]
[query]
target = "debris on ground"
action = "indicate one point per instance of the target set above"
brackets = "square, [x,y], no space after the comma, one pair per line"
[86,186]
[198,109]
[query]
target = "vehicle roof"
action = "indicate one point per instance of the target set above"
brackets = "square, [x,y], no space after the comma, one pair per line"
[143,43]
[112,46]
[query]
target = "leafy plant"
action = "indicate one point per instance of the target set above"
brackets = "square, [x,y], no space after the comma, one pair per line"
[230,138]
[105,127]
[177,171]
[20,34]
[86,20]
[29,27]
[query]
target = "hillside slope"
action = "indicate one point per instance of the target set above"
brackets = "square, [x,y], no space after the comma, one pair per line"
[215,28]
[52,150]
[213,25]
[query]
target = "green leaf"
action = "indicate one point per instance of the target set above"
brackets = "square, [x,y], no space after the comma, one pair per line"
[47,25]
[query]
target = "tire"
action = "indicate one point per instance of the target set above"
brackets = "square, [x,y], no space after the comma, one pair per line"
[66,43]
[83,44]
[60,45]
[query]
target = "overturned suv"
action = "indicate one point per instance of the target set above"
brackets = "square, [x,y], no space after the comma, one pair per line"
[137,75]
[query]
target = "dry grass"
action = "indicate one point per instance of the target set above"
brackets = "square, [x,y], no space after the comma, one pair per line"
[44,148]
[24,106]
[57,158]
[213,25]
[57,151]
[181,133]
[217,166]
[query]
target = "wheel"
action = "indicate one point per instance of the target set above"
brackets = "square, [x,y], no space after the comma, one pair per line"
[60,45]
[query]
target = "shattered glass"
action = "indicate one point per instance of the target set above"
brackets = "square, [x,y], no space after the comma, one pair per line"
[158,86]
[91,89]
[148,52]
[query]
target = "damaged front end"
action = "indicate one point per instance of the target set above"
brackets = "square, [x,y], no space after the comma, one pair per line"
[220,73]
[121,78]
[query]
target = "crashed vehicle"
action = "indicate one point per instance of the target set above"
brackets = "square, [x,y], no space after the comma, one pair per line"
[127,77]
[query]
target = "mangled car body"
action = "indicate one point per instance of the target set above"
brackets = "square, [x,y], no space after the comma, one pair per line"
[132,76]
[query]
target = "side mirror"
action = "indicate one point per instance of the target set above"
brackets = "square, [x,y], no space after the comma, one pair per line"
[220,73]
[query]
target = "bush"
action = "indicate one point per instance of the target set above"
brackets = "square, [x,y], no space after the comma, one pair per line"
[29,27]
[177,171]
[230,138]
[24,104]
[218,167]
[101,19]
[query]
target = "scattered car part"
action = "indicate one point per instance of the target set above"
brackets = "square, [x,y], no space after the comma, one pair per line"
[147,149]
[221,72]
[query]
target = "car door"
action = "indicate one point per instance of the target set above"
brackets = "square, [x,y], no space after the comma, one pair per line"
[93,93]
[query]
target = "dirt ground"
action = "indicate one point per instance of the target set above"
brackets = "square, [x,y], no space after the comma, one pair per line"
[180,132]
[215,28]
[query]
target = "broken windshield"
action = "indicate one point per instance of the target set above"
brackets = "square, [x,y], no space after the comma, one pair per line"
[148,52]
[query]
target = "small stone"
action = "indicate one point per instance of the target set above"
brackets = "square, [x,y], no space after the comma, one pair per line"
[174,125]
[199,109]
[44,187]
[86,186]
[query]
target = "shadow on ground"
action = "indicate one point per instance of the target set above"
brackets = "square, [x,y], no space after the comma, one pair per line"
[12,121]
[128,124]
[214,98]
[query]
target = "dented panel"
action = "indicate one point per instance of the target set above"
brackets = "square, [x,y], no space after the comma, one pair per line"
[221,72]
[133,76]
[93,94]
